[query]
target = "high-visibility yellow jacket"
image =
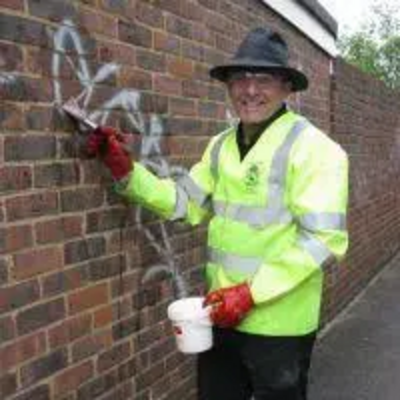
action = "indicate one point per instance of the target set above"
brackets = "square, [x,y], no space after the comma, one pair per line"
[275,218]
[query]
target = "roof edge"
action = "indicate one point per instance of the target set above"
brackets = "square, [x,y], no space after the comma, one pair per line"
[311,18]
[320,12]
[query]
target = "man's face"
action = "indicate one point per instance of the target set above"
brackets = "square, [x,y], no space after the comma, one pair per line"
[256,96]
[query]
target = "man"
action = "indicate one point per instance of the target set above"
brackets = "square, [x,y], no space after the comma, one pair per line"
[274,190]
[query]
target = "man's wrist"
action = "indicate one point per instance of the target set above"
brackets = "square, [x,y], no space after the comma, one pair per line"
[121,184]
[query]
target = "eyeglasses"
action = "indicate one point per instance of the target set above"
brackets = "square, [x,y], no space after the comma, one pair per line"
[261,78]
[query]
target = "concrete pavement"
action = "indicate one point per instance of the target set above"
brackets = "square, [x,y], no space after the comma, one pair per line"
[358,358]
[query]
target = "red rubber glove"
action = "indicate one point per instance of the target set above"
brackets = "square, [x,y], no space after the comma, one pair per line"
[229,305]
[108,144]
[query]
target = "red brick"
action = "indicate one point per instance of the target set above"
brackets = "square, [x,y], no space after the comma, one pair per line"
[2,145]
[7,329]
[104,220]
[90,345]
[90,297]
[180,67]
[151,61]
[182,107]
[56,230]
[8,385]
[70,330]
[124,53]
[217,93]
[149,15]
[210,110]
[64,281]
[125,240]
[13,178]
[90,2]
[16,296]
[193,11]
[184,126]
[120,7]
[14,238]
[13,4]
[56,174]
[41,392]
[12,117]
[81,250]
[32,147]
[114,356]
[103,316]
[112,266]
[148,377]
[41,118]
[179,26]
[94,22]
[28,89]
[194,89]
[40,315]
[167,43]
[22,350]
[141,80]
[124,391]
[44,367]
[30,206]
[39,61]
[201,72]
[153,103]
[80,199]
[52,11]
[72,378]
[167,85]
[135,34]
[98,386]
[37,261]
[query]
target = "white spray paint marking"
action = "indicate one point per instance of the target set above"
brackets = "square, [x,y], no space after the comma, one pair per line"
[7,79]
[150,128]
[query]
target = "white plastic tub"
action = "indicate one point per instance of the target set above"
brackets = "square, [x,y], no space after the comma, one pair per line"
[192,325]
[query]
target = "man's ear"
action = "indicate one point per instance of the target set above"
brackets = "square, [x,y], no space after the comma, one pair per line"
[288,85]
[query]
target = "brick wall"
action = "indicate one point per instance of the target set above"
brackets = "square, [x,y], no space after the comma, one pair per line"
[365,121]
[84,279]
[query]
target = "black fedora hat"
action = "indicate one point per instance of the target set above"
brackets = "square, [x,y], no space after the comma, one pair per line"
[262,50]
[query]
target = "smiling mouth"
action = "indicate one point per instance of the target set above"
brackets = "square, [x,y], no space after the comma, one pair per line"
[252,104]
[252,107]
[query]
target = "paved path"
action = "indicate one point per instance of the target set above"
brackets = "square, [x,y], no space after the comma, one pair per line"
[359,356]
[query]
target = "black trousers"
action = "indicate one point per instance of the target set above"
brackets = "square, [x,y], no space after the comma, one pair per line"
[243,367]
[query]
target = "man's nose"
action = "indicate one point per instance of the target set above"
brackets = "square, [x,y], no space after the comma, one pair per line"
[252,87]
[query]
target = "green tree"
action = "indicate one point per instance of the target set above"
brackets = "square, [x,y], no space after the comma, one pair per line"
[375,46]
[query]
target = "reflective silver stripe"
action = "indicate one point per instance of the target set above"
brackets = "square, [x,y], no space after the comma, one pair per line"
[188,190]
[277,178]
[215,152]
[275,211]
[181,204]
[193,190]
[249,265]
[233,262]
[257,217]
[316,221]
[313,246]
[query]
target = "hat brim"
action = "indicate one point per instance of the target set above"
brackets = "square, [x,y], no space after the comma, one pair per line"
[297,78]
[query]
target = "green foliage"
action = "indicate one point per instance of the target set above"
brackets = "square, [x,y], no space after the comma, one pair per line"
[375,47]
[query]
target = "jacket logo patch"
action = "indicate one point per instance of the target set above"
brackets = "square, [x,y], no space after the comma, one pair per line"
[252,177]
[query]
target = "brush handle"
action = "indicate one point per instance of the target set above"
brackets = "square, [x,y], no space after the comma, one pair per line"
[90,124]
